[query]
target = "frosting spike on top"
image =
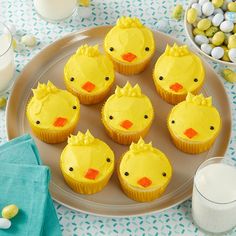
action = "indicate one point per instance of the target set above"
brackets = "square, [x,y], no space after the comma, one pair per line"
[128,91]
[141,146]
[89,51]
[129,22]
[177,51]
[199,100]
[44,89]
[81,139]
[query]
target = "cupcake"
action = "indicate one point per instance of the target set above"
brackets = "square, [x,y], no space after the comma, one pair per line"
[87,163]
[144,172]
[194,124]
[130,45]
[52,113]
[177,72]
[128,114]
[89,74]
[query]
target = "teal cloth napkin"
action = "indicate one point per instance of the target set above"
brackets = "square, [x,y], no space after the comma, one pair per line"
[24,182]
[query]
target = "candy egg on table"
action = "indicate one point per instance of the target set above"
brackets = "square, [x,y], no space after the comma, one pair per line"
[218,38]
[198,8]
[5,223]
[207,48]
[229,75]
[217,19]
[217,52]
[200,39]
[204,24]
[208,8]
[217,3]
[10,211]
[191,15]
[232,54]
[177,12]
[226,26]
[232,6]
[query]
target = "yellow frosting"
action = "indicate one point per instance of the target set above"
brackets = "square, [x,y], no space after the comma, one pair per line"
[85,152]
[198,114]
[89,65]
[143,160]
[43,107]
[128,103]
[129,36]
[179,65]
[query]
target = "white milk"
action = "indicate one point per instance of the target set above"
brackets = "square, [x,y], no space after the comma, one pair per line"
[7,66]
[217,183]
[55,9]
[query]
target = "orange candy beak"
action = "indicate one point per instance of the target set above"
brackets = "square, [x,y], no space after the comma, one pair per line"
[60,122]
[91,173]
[145,182]
[176,87]
[126,124]
[129,57]
[88,86]
[190,133]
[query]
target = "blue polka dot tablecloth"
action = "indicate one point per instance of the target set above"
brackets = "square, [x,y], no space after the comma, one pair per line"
[175,221]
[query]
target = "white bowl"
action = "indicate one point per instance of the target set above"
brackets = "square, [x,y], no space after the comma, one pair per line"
[188,29]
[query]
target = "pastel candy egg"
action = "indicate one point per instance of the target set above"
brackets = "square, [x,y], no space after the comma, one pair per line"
[200,39]
[226,26]
[232,54]
[10,211]
[217,52]
[217,3]
[5,223]
[3,102]
[207,8]
[207,48]
[191,15]
[204,24]
[197,31]
[218,38]
[218,10]
[177,12]
[29,40]
[198,8]
[232,6]
[201,2]
[229,75]
[211,31]
[217,19]
[230,16]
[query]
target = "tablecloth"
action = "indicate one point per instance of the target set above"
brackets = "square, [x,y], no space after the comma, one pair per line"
[175,221]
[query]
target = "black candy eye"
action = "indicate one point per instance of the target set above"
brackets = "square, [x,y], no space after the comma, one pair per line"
[107,78]
[37,122]
[111,49]
[126,173]
[212,127]
[146,116]
[72,79]
[110,117]
[108,160]
[172,122]
[147,49]
[164,174]
[71,169]
[195,80]
[161,78]
[74,107]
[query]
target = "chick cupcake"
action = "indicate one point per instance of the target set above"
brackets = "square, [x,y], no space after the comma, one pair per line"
[144,172]
[177,72]
[130,45]
[50,124]
[128,114]
[89,74]
[87,163]
[194,124]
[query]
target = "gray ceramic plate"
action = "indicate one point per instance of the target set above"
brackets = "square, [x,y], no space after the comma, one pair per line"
[48,65]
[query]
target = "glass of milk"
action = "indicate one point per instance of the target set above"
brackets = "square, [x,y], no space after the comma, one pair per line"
[7,65]
[55,10]
[214,196]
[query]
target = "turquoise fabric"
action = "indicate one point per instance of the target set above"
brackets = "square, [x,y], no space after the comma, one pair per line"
[24,182]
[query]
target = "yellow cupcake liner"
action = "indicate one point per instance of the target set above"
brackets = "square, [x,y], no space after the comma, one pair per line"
[89,99]
[173,98]
[89,187]
[140,195]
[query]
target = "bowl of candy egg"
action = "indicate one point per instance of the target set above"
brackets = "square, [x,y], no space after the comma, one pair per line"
[211,28]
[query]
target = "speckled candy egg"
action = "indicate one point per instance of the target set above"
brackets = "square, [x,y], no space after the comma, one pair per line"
[232,55]
[207,8]
[207,48]
[200,39]
[217,53]
[230,16]
[226,26]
